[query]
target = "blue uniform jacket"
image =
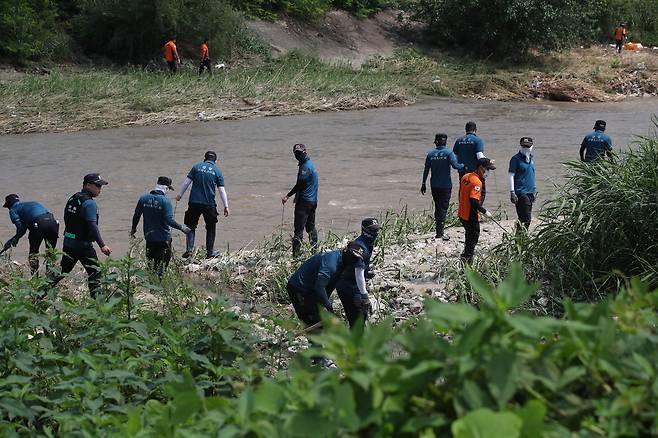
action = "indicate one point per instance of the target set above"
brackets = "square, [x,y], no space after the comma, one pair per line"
[317,276]
[158,216]
[22,214]
[347,281]
[307,178]
[466,149]
[524,174]
[89,212]
[439,161]
[206,177]
[596,144]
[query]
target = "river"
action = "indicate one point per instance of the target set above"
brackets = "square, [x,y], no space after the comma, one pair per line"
[368,161]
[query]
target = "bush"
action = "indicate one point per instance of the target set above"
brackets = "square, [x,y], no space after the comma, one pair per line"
[28,30]
[507,27]
[134,32]
[502,374]
[641,17]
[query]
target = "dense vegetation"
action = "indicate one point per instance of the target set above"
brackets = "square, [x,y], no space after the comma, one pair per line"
[133,32]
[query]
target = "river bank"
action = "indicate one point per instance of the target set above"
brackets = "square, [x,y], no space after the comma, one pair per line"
[66,98]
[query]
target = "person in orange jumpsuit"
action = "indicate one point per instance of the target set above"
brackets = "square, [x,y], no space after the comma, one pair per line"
[171,54]
[204,57]
[620,35]
[470,206]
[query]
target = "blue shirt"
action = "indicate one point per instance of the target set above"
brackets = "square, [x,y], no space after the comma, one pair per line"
[466,149]
[318,275]
[22,214]
[89,212]
[205,177]
[307,178]
[439,161]
[347,281]
[524,174]
[596,145]
[158,216]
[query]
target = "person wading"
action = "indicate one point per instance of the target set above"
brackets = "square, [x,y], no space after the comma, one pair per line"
[439,160]
[310,286]
[81,231]
[306,199]
[469,149]
[620,36]
[597,144]
[351,286]
[204,57]
[171,54]
[32,216]
[158,221]
[470,206]
[205,177]
[522,181]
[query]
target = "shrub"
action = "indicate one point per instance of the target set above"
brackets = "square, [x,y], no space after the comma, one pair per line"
[135,32]
[28,29]
[507,27]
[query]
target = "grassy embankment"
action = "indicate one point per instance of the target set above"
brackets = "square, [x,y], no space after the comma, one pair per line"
[70,99]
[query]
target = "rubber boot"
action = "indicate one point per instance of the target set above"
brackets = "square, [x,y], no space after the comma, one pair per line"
[189,244]
[210,244]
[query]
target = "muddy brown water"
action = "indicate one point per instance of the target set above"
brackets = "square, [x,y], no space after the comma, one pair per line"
[368,161]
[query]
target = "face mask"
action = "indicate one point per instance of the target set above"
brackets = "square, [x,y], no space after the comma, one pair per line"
[163,189]
[526,152]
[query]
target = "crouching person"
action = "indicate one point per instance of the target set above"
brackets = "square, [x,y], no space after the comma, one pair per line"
[351,286]
[312,284]
[158,220]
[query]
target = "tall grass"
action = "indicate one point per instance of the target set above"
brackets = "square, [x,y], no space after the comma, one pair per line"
[597,233]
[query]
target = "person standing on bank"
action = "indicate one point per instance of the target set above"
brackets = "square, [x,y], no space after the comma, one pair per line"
[439,160]
[205,177]
[306,199]
[351,286]
[171,54]
[620,36]
[81,231]
[522,181]
[32,216]
[204,57]
[597,144]
[158,221]
[470,206]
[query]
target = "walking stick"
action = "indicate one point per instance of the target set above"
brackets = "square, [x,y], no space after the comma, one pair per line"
[498,223]
[175,207]
[283,211]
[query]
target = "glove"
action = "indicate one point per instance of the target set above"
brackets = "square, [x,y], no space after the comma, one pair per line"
[423,189]
[186,229]
[488,214]
[370,275]
[513,198]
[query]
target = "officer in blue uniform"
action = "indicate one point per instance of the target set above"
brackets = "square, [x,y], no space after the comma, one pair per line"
[32,216]
[204,177]
[469,149]
[439,160]
[522,181]
[597,144]
[81,231]
[306,199]
[158,221]
[351,286]
[311,285]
